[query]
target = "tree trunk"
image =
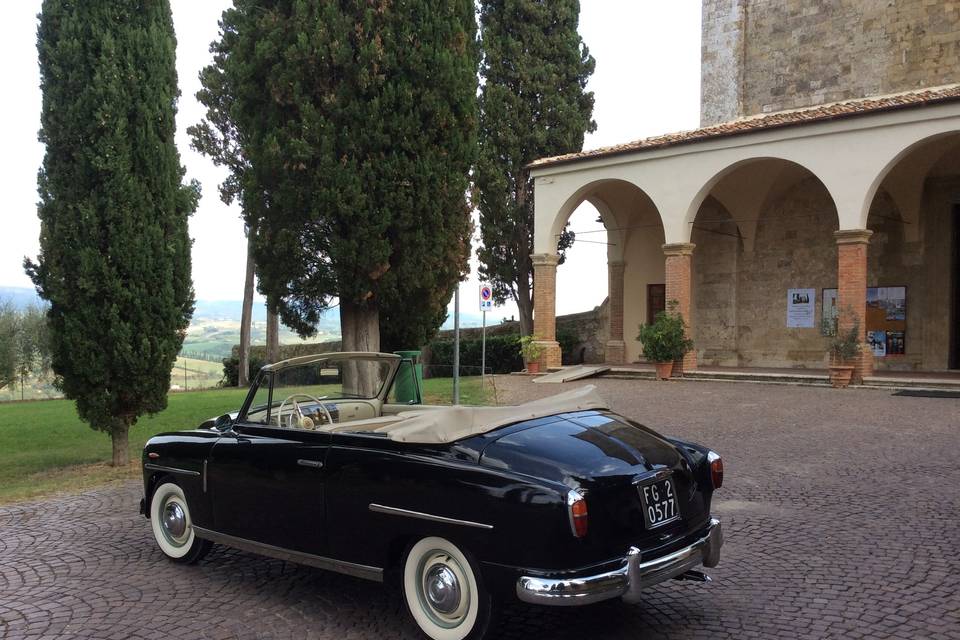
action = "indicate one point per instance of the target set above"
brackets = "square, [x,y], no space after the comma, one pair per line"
[243,378]
[525,308]
[360,331]
[119,436]
[273,336]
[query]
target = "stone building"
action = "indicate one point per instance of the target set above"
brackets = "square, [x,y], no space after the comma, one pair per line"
[824,182]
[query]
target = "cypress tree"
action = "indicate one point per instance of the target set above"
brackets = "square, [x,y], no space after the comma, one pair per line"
[114,259]
[533,104]
[358,121]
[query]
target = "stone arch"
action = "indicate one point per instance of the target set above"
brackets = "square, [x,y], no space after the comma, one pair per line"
[753,200]
[903,199]
[596,192]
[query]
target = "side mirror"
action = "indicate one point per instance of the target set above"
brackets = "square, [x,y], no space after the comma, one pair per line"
[223,423]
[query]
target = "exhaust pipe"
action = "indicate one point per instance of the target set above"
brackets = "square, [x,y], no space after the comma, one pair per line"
[695,576]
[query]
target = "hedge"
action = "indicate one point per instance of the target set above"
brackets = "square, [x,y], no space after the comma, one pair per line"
[503,354]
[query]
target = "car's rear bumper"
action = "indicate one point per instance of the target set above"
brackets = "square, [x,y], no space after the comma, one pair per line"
[629,579]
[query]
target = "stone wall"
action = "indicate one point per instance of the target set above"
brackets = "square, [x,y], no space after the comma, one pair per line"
[589,331]
[760,56]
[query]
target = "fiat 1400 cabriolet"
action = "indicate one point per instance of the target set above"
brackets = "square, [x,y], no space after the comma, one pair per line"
[332,462]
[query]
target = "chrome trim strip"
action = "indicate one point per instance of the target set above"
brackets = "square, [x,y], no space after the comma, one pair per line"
[379,508]
[160,467]
[204,475]
[298,557]
[628,580]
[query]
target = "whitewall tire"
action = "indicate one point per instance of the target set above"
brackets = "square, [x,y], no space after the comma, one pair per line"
[172,526]
[444,592]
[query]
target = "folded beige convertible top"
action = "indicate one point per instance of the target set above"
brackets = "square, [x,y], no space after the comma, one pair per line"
[454,423]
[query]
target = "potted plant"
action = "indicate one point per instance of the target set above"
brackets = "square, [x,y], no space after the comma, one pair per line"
[665,340]
[844,347]
[531,350]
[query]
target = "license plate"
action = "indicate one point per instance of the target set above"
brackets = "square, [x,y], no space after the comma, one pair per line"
[659,503]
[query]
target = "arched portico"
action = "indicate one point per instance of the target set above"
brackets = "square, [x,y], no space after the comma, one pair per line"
[849,151]
[634,239]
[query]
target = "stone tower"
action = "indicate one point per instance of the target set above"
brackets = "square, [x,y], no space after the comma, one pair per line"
[760,56]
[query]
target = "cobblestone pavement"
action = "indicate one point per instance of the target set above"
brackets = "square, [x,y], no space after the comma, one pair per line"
[841,512]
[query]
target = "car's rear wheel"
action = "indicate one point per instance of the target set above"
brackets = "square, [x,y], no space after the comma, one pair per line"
[444,591]
[173,527]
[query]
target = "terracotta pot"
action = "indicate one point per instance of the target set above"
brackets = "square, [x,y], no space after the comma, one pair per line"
[664,369]
[533,367]
[840,375]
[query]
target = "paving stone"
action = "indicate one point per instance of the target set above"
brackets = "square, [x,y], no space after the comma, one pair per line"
[840,510]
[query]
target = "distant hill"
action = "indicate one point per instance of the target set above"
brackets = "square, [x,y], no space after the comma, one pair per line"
[20,297]
[230,310]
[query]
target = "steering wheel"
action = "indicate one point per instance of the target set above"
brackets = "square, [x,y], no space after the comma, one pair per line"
[299,412]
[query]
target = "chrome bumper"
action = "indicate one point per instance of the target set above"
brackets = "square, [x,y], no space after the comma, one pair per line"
[628,580]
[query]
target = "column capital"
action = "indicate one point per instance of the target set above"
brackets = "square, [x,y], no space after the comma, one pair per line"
[853,236]
[679,249]
[545,259]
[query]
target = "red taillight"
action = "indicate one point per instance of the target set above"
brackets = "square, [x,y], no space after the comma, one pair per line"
[577,509]
[716,469]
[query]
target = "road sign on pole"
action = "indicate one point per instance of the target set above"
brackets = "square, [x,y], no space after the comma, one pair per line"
[486,304]
[486,297]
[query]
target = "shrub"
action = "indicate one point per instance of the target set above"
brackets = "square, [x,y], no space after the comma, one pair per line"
[665,340]
[530,349]
[844,346]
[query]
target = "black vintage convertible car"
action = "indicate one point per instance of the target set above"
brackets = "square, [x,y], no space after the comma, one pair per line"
[332,462]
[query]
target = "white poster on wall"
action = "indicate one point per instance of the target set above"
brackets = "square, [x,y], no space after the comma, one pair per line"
[800,308]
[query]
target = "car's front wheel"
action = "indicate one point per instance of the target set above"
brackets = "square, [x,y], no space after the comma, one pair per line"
[444,591]
[172,526]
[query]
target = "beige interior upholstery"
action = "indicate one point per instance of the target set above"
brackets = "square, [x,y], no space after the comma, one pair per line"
[454,423]
[367,424]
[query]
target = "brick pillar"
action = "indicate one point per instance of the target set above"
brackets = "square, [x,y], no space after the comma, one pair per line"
[616,351]
[679,278]
[545,308]
[852,292]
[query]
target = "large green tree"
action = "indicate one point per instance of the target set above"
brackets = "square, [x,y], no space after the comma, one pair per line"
[114,257]
[533,104]
[357,119]
[9,326]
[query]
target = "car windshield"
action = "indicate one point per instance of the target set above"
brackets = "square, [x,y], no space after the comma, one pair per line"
[353,378]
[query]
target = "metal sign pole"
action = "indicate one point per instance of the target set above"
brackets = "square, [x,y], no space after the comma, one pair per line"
[483,350]
[456,345]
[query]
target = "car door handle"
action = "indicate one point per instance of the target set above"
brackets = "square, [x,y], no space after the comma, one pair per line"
[316,464]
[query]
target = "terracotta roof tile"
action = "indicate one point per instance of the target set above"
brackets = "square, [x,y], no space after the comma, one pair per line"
[767,121]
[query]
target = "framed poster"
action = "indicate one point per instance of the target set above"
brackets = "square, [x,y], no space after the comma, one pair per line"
[878,342]
[886,322]
[800,308]
[829,310]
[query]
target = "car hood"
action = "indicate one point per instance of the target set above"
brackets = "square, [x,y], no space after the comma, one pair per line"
[589,447]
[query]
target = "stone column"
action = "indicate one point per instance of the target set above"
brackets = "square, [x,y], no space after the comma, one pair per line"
[852,292]
[545,308]
[616,351]
[679,278]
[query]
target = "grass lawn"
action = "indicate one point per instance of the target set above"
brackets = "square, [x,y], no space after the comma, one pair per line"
[45,448]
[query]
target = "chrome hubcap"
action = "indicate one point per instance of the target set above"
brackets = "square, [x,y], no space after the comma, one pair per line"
[443,589]
[174,521]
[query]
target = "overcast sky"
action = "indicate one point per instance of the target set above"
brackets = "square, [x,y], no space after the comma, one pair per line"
[647,82]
